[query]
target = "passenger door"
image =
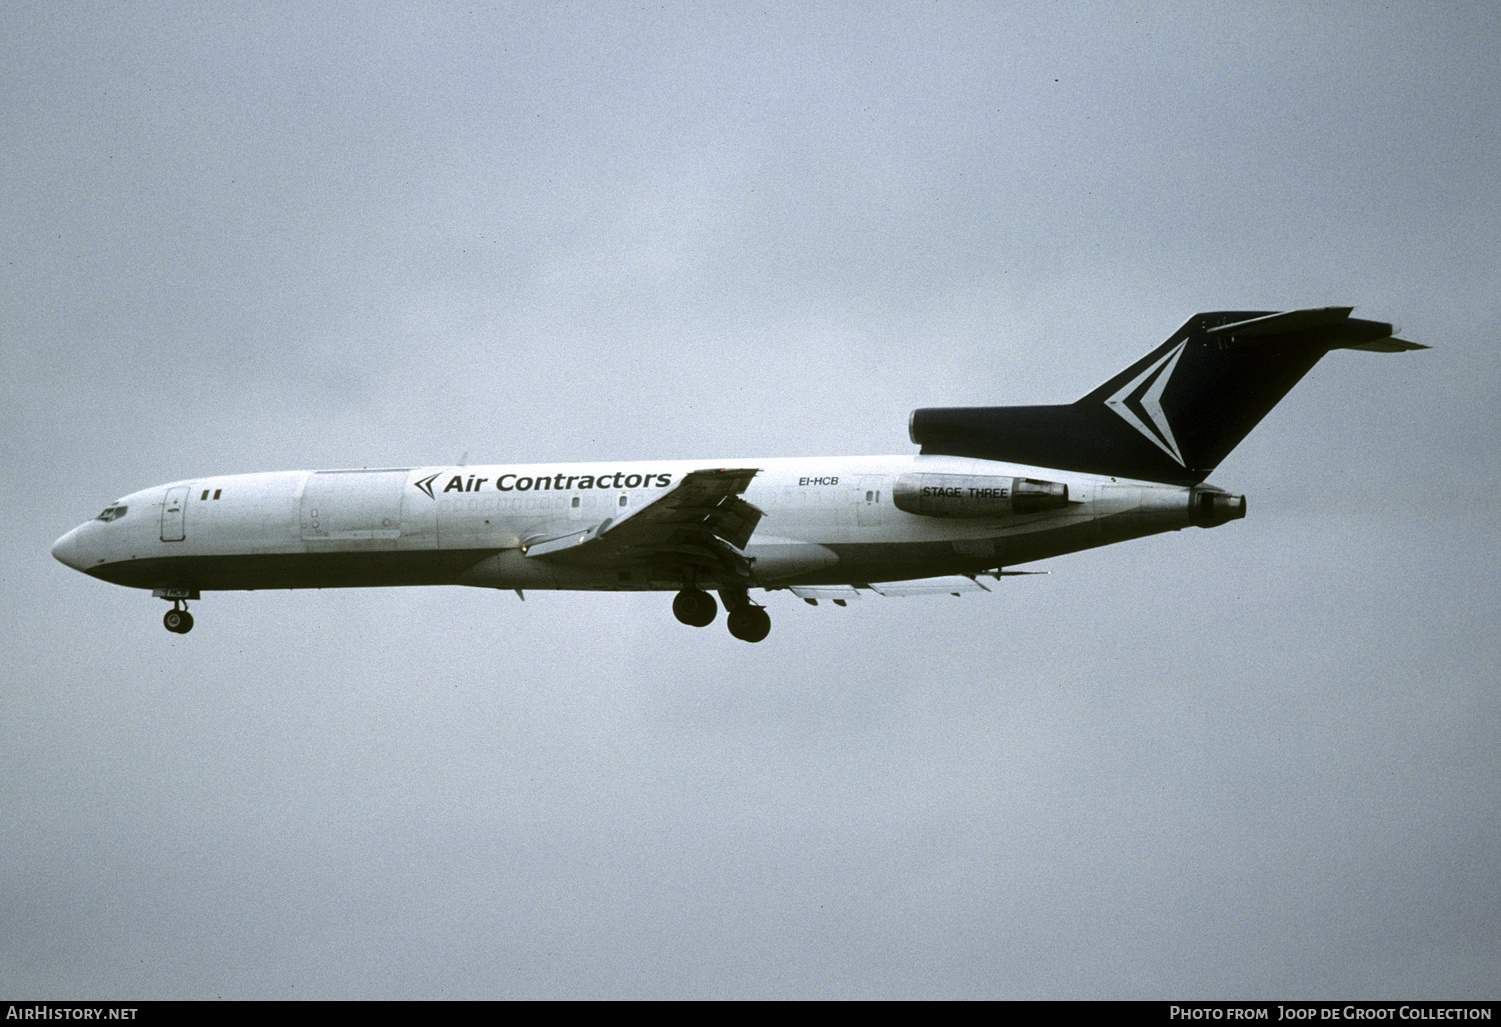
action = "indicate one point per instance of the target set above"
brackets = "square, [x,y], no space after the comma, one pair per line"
[174,513]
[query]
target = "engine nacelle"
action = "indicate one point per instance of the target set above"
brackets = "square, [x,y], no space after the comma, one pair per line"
[969,495]
[1209,507]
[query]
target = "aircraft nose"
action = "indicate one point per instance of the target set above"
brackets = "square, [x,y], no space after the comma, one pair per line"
[70,549]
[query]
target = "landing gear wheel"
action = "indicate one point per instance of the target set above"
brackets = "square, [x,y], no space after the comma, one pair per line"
[750,623]
[180,621]
[695,607]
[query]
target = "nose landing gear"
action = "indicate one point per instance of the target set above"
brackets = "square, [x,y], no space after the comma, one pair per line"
[178,620]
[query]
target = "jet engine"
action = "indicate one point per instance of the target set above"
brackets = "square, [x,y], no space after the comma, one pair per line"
[967,495]
[1208,507]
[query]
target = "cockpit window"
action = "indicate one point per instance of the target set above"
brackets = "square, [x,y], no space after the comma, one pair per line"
[112,513]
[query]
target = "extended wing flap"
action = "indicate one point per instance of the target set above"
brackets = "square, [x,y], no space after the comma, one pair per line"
[953,584]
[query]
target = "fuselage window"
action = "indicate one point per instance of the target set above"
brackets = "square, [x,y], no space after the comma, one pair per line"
[112,513]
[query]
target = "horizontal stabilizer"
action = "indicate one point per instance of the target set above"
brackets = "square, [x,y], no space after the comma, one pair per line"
[1392,345]
[1332,327]
[1286,321]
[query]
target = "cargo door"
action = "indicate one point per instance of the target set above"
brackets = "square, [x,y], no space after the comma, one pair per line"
[352,505]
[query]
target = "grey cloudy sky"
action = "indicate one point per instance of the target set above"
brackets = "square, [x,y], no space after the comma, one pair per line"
[1258,761]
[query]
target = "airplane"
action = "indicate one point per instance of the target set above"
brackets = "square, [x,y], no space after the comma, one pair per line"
[990,488]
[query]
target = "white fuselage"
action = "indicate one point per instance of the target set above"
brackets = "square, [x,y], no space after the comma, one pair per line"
[825,521]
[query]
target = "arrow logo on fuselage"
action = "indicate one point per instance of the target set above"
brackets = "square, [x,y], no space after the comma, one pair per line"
[1139,403]
[426,484]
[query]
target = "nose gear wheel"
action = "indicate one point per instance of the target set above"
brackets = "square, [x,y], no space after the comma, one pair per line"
[179,621]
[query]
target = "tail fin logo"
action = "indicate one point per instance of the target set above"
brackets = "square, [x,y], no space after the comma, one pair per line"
[1139,403]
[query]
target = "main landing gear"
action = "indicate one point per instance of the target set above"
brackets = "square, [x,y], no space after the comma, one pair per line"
[695,607]
[747,622]
[178,620]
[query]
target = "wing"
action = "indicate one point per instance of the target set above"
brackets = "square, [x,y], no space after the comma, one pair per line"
[703,522]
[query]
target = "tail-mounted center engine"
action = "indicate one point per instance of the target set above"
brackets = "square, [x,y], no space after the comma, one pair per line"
[967,495]
[1208,507]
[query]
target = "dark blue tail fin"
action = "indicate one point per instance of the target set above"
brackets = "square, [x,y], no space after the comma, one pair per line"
[1173,415]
